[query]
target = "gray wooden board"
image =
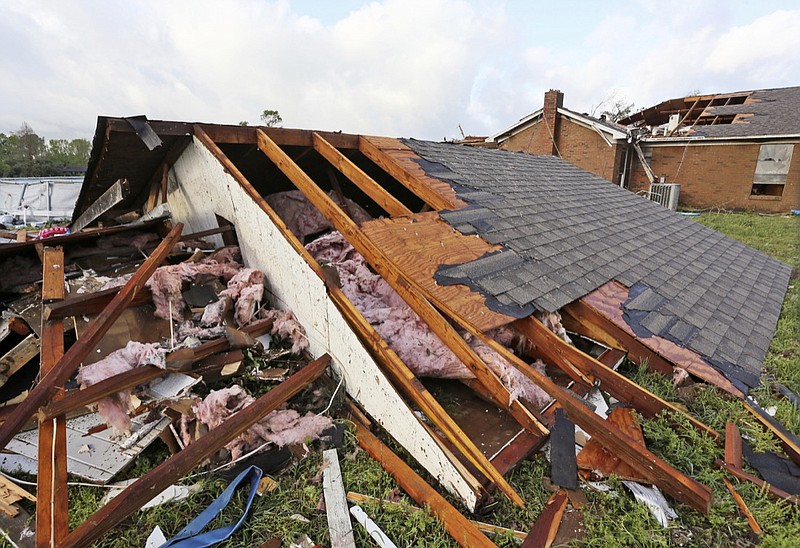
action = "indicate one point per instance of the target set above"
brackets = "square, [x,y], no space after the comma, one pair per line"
[96,457]
[339,524]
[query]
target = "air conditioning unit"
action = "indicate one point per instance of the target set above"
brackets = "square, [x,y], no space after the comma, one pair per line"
[665,194]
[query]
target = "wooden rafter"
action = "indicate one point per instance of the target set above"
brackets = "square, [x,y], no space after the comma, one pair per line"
[367,184]
[403,286]
[559,353]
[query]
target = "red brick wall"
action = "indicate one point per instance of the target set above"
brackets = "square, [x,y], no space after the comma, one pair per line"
[578,145]
[718,176]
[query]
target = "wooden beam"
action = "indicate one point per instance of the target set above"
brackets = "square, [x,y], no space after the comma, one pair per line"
[676,484]
[367,184]
[111,197]
[545,529]
[738,473]
[52,506]
[439,325]
[557,351]
[70,361]
[459,527]
[406,178]
[171,470]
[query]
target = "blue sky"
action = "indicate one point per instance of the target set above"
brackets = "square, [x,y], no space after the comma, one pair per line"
[414,68]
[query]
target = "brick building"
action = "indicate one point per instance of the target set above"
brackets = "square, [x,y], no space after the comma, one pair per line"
[730,151]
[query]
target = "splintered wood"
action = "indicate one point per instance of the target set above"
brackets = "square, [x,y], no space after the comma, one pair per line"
[595,457]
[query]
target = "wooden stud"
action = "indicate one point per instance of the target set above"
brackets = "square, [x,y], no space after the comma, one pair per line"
[367,184]
[545,529]
[459,527]
[171,470]
[90,303]
[70,361]
[557,351]
[52,507]
[439,325]
[111,197]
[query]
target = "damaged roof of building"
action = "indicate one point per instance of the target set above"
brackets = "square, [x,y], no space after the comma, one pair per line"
[754,113]
[566,232]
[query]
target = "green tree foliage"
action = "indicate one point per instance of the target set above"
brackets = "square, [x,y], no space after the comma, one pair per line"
[271,118]
[23,153]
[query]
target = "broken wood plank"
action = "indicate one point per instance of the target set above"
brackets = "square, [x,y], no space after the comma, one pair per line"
[545,529]
[737,498]
[738,473]
[595,457]
[171,470]
[563,467]
[339,525]
[787,440]
[607,301]
[110,198]
[367,184]
[52,507]
[70,361]
[17,357]
[438,324]
[676,484]
[557,351]
[733,445]
[459,527]
[485,527]
[415,182]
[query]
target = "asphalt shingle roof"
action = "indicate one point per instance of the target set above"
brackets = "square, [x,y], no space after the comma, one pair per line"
[769,112]
[565,232]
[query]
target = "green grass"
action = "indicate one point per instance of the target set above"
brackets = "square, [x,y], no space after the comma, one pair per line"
[611,519]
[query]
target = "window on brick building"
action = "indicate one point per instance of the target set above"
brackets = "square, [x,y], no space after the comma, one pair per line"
[771,170]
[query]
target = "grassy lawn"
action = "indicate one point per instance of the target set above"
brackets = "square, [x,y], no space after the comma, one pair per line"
[611,518]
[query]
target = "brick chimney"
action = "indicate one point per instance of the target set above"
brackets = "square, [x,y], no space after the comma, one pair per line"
[553,99]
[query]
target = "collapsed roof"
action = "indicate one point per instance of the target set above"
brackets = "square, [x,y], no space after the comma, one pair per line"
[755,113]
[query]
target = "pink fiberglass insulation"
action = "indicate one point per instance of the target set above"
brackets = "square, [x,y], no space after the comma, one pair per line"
[404,330]
[286,326]
[166,284]
[303,219]
[282,426]
[246,288]
[189,329]
[114,409]
[552,321]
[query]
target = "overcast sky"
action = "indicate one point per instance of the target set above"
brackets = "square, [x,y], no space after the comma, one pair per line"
[411,68]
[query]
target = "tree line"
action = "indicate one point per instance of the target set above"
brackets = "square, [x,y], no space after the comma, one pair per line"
[23,153]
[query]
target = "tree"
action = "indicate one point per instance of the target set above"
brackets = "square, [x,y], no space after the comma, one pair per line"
[271,118]
[614,107]
[244,123]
